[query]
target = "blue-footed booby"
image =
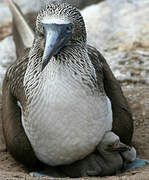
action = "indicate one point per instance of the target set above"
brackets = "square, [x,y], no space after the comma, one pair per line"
[109,162]
[60,97]
[66,110]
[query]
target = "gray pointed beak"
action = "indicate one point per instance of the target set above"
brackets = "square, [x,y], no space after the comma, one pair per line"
[119,147]
[57,36]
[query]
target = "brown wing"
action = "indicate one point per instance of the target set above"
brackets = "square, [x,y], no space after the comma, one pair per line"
[122,118]
[16,140]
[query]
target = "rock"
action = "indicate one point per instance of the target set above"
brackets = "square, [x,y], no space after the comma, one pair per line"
[5,30]
[77,3]
[8,56]
[115,28]
[34,5]
[4,14]
[25,5]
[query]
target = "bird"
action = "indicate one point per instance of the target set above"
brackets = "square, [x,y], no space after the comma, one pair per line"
[113,155]
[59,90]
[63,72]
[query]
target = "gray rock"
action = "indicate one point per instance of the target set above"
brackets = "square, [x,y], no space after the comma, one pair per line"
[25,5]
[120,30]
[8,56]
[34,5]
[77,3]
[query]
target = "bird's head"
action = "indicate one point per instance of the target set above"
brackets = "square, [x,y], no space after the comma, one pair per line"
[58,25]
[111,143]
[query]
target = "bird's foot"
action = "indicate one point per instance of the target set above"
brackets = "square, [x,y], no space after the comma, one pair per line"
[36,174]
[48,171]
[136,163]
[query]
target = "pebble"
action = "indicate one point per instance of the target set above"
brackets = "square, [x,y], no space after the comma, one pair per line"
[8,56]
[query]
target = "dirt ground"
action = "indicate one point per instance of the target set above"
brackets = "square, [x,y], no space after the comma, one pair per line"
[138,98]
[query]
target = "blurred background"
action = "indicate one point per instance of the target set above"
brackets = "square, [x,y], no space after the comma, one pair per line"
[119,29]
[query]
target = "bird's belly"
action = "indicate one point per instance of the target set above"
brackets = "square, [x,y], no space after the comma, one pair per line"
[65,126]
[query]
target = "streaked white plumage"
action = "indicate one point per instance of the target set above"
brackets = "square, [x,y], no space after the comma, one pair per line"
[65,123]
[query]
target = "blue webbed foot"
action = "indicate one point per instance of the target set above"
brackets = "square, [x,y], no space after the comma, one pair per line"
[36,174]
[52,172]
[136,163]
